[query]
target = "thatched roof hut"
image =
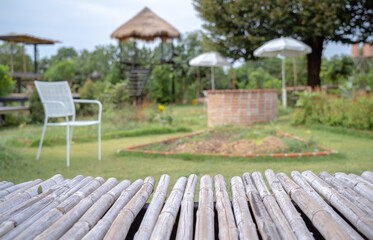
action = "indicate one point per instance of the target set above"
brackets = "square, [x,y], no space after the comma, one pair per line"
[146,25]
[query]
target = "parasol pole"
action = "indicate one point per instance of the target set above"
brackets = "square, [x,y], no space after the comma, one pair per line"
[212,79]
[283,83]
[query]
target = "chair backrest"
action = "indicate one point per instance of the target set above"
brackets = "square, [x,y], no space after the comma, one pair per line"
[56,91]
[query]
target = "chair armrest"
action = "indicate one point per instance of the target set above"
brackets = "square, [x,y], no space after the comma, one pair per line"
[93,102]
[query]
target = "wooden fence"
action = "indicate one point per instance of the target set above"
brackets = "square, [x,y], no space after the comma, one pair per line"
[303,206]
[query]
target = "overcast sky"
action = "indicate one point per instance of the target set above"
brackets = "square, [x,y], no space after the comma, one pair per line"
[84,24]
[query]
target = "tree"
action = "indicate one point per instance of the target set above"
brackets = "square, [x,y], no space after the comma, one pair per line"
[63,70]
[238,27]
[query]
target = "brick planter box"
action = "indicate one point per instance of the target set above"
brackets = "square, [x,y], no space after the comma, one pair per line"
[241,107]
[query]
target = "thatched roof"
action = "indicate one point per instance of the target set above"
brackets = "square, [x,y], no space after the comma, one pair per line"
[27,39]
[147,26]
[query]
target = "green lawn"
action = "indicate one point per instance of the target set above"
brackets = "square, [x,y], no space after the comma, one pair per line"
[18,162]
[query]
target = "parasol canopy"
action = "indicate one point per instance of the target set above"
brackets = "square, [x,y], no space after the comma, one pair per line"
[210,59]
[146,25]
[283,47]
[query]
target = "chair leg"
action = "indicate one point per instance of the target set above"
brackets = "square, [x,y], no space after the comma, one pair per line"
[99,141]
[67,146]
[42,138]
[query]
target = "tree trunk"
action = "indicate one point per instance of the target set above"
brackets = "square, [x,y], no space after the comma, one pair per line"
[314,61]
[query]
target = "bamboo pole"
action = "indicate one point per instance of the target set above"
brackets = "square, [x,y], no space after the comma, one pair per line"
[302,182]
[65,222]
[354,214]
[163,227]
[360,179]
[368,175]
[95,212]
[5,185]
[20,190]
[265,225]
[54,214]
[100,229]
[154,208]
[205,212]
[272,207]
[123,221]
[361,202]
[29,193]
[23,219]
[185,226]
[227,225]
[362,188]
[292,215]
[320,218]
[10,187]
[245,223]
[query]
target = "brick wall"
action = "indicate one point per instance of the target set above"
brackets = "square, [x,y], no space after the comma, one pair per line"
[241,107]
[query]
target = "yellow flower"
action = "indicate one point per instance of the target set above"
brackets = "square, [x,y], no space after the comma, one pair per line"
[308,131]
[5,76]
[161,108]
[195,102]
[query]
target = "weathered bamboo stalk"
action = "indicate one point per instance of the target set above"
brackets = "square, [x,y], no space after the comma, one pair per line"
[227,225]
[368,175]
[11,188]
[302,182]
[163,227]
[245,223]
[24,219]
[154,208]
[292,215]
[354,214]
[94,213]
[205,212]
[100,229]
[62,225]
[123,221]
[362,188]
[29,193]
[55,213]
[358,200]
[272,207]
[320,218]
[185,226]
[266,226]
[5,184]
[360,179]
[20,190]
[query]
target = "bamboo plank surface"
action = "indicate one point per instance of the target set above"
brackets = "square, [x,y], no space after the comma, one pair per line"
[185,226]
[360,187]
[9,187]
[155,207]
[272,207]
[90,208]
[368,175]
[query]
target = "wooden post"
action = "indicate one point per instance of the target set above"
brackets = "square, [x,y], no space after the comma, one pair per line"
[163,227]
[355,215]
[35,58]
[24,58]
[227,225]
[155,207]
[11,57]
[273,209]
[185,225]
[245,223]
[292,215]
[320,218]
[123,221]
[205,212]
[100,229]
[265,225]
[301,181]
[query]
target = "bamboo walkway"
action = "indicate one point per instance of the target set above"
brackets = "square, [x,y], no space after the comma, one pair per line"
[303,206]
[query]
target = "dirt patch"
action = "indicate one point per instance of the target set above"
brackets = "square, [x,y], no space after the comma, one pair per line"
[268,144]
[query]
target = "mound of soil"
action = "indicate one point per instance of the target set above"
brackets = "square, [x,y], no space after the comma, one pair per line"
[269,144]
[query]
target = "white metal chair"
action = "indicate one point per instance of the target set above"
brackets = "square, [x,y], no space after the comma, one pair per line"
[58,102]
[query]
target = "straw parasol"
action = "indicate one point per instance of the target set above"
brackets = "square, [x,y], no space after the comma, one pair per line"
[146,25]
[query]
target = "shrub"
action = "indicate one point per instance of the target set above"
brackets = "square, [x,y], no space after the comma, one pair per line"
[36,108]
[119,94]
[88,91]
[6,81]
[331,110]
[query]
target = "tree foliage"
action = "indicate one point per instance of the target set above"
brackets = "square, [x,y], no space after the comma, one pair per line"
[238,27]
[6,81]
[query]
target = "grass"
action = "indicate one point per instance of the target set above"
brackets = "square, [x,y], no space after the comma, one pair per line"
[18,164]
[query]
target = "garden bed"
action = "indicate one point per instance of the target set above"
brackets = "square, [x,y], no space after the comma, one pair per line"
[240,142]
